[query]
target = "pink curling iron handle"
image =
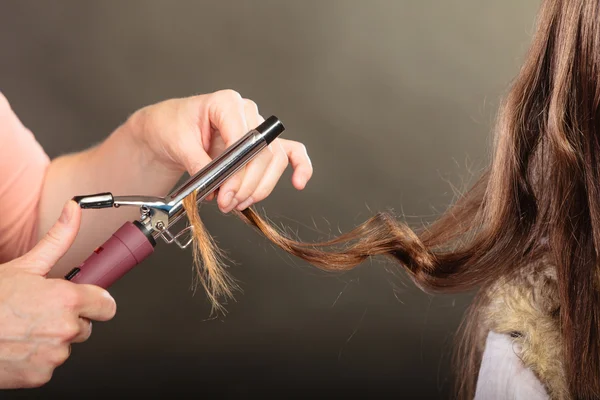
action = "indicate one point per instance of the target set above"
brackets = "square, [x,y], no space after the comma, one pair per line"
[125,249]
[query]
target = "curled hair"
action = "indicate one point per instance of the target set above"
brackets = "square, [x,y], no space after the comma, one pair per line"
[542,187]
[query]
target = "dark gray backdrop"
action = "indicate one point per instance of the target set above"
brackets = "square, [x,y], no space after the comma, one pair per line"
[394,101]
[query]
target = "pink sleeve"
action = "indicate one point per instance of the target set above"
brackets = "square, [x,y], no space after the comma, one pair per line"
[23,165]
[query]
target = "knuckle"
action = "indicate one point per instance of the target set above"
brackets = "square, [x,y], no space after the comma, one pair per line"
[69,330]
[300,147]
[242,194]
[294,145]
[71,298]
[53,236]
[105,304]
[235,183]
[60,355]
[111,309]
[229,94]
[261,194]
[251,105]
[36,379]
[52,239]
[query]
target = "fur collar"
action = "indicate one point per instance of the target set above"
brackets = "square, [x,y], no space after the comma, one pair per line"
[527,308]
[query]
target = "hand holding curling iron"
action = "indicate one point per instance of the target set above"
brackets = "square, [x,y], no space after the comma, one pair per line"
[40,317]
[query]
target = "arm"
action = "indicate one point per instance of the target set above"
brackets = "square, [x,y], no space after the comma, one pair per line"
[117,165]
[22,167]
[39,318]
[33,190]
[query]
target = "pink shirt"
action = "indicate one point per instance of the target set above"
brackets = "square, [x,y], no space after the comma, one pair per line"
[23,165]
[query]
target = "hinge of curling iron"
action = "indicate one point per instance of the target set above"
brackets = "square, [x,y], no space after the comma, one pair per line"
[169,238]
[165,234]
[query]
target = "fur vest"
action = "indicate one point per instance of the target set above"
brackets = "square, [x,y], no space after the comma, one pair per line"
[527,308]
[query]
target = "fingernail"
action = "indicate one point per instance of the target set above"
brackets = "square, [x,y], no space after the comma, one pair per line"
[227,200]
[245,204]
[67,212]
[108,295]
[234,203]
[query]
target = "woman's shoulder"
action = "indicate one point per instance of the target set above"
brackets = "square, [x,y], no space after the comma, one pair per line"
[525,309]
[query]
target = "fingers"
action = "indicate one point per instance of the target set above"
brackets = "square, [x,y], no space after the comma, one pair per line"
[88,301]
[233,116]
[270,178]
[41,364]
[285,152]
[55,243]
[227,115]
[69,319]
[62,328]
[298,156]
[255,169]
[85,330]
[238,188]
[193,156]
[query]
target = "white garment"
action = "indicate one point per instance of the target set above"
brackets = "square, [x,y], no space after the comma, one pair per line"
[503,376]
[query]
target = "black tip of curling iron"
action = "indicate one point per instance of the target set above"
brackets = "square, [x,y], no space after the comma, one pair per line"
[77,199]
[99,200]
[271,128]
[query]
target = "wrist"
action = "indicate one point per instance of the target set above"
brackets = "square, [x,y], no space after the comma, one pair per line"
[137,134]
[131,135]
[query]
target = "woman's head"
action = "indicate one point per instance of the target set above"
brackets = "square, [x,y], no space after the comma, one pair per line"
[545,176]
[541,195]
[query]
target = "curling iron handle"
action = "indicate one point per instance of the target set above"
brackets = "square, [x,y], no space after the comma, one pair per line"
[125,249]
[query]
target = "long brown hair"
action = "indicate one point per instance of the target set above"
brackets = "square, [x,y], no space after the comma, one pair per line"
[543,186]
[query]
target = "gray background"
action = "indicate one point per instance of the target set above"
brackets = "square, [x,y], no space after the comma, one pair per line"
[394,101]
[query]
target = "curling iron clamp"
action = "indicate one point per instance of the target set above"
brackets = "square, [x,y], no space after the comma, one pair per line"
[135,241]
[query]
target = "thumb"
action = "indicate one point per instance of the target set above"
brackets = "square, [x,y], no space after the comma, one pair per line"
[55,242]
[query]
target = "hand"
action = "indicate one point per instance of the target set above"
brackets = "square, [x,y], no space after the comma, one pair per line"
[40,317]
[185,134]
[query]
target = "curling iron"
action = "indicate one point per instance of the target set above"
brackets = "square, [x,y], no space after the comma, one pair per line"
[134,241]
